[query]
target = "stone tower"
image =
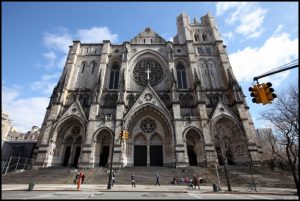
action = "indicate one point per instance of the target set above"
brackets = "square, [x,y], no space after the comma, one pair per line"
[178,100]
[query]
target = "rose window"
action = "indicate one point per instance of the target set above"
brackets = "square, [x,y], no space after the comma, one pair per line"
[148,69]
[148,125]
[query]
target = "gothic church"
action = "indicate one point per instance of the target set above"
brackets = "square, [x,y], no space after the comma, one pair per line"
[177,100]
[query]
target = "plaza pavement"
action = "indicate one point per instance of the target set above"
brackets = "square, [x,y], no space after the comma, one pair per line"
[143,188]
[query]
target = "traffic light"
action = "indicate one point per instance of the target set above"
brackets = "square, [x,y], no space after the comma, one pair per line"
[258,94]
[121,134]
[255,94]
[269,91]
[126,134]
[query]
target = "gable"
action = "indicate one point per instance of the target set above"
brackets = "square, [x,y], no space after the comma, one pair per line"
[74,109]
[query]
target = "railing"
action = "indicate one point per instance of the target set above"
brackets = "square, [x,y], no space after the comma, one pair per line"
[16,163]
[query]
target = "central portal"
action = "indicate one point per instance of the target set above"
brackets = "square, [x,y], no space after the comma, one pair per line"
[140,155]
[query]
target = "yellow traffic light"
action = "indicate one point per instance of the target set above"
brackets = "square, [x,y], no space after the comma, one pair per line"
[258,94]
[269,92]
[126,134]
[121,134]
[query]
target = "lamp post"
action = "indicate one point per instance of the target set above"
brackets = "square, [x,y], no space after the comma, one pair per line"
[111,161]
[250,166]
[216,161]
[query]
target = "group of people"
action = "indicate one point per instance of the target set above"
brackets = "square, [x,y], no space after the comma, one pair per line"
[190,182]
[79,179]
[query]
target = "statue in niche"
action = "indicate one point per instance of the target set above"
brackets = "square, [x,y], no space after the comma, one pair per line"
[123,147]
[170,52]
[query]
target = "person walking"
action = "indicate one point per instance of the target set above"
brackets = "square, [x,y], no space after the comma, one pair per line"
[196,181]
[78,180]
[133,181]
[113,178]
[157,179]
[82,178]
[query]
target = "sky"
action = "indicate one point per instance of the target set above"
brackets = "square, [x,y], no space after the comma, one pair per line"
[260,36]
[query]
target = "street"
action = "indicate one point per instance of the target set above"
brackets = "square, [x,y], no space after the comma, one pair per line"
[40,195]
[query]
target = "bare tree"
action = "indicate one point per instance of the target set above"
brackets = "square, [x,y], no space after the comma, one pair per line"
[222,142]
[284,117]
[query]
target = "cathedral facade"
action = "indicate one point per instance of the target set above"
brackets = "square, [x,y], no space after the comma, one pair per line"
[179,102]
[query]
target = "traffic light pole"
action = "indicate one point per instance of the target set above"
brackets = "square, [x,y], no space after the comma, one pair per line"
[274,72]
[111,162]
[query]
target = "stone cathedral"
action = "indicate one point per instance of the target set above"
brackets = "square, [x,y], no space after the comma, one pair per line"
[179,101]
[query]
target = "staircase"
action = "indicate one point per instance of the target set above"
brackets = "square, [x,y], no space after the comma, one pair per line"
[238,176]
[241,176]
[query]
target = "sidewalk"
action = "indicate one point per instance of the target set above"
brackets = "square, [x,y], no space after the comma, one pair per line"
[143,188]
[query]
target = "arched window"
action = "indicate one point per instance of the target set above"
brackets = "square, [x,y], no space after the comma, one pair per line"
[93,64]
[196,37]
[181,77]
[114,76]
[204,37]
[83,64]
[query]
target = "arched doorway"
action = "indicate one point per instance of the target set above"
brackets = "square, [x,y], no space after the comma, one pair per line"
[103,148]
[140,150]
[195,148]
[70,138]
[156,151]
[230,142]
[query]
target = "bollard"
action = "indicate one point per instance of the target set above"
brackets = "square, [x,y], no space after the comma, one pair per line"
[215,187]
[31,185]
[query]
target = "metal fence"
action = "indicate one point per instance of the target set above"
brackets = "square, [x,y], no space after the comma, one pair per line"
[15,164]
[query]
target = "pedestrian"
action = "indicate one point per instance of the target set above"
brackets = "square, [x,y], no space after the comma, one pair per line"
[196,181]
[113,178]
[82,178]
[133,180]
[78,179]
[157,179]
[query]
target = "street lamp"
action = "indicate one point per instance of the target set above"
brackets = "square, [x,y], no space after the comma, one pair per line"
[216,161]
[250,165]
[111,162]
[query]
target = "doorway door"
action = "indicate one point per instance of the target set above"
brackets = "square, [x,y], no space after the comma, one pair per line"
[140,155]
[156,155]
[104,156]
[192,156]
[67,156]
[76,157]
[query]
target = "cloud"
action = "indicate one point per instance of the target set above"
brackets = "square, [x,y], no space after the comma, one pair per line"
[250,23]
[24,112]
[248,17]
[96,35]
[51,57]
[46,84]
[222,7]
[254,61]
[58,42]
[228,36]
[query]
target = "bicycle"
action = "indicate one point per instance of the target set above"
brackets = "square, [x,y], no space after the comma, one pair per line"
[254,186]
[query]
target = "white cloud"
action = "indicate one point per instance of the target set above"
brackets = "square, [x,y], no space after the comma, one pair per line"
[46,84]
[59,42]
[276,51]
[228,36]
[96,35]
[222,7]
[248,17]
[250,23]
[24,112]
[51,57]
[278,29]
[170,39]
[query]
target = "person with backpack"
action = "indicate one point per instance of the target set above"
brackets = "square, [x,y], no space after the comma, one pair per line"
[132,180]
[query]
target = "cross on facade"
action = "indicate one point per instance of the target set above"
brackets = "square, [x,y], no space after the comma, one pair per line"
[148,71]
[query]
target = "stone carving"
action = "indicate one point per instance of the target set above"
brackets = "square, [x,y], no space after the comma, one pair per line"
[148,125]
[148,97]
[140,72]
